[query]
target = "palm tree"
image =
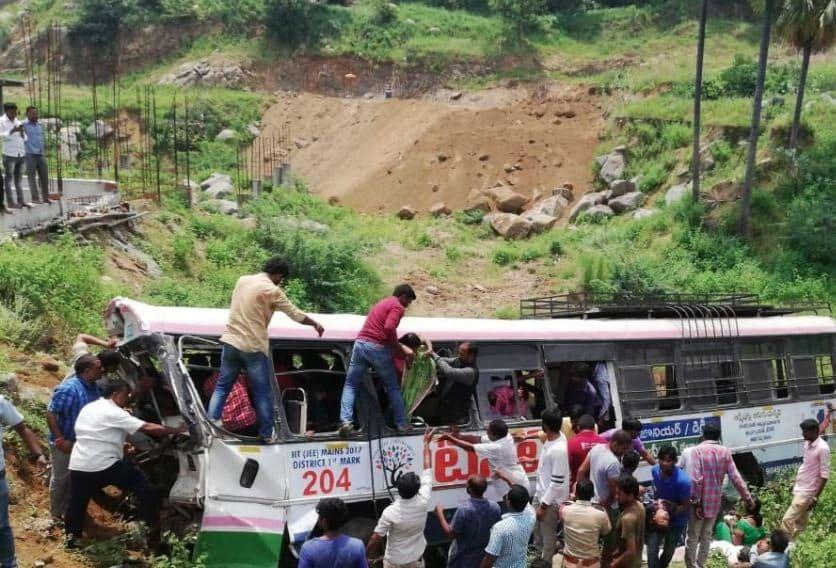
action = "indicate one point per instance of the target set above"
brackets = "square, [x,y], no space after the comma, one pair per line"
[695,156]
[809,26]
[749,178]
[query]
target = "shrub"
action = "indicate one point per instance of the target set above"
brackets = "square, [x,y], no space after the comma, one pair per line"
[182,247]
[383,12]
[19,324]
[289,21]
[740,79]
[676,135]
[554,248]
[504,255]
[469,217]
[811,229]
[452,253]
[519,15]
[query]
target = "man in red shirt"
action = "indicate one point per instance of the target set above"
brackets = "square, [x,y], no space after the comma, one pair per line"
[580,444]
[374,347]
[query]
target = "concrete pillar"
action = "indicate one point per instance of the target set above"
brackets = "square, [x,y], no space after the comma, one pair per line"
[277,176]
[286,173]
[256,188]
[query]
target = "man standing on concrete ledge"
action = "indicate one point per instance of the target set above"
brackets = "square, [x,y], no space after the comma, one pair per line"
[246,344]
[36,169]
[374,348]
[12,136]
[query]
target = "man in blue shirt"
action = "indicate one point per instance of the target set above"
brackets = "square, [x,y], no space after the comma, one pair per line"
[68,399]
[333,549]
[672,484]
[36,169]
[470,529]
[508,544]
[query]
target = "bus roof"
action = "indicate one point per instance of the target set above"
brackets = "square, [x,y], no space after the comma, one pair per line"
[129,318]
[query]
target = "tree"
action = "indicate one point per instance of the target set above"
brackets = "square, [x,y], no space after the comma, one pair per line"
[519,15]
[289,21]
[695,156]
[754,132]
[809,26]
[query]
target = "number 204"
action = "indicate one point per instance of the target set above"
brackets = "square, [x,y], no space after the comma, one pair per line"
[324,482]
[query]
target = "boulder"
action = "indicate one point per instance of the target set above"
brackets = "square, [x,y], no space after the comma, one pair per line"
[51,123]
[10,383]
[552,206]
[406,212]
[568,185]
[224,206]
[626,202]
[484,157]
[706,158]
[621,186]
[478,202]
[564,192]
[214,178]
[99,129]
[68,142]
[225,134]
[440,209]
[434,290]
[253,130]
[677,192]
[510,226]
[612,168]
[218,186]
[598,212]
[507,200]
[540,223]
[586,202]
[644,213]
[215,71]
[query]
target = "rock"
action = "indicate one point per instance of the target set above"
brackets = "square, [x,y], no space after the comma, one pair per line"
[477,201]
[456,96]
[39,564]
[218,186]
[484,157]
[626,202]
[552,206]
[598,212]
[644,213]
[333,200]
[50,366]
[224,206]
[225,134]
[510,226]
[440,209]
[568,185]
[621,186]
[442,157]
[607,196]
[480,288]
[677,192]
[215,71]
[406,212]
[253,130]
[507,200]
[300,143]
[434,30]
[706,159]
[612,168]
[586,202]
[35,394]
[564,192]
[601,160]
[51,123]
[10,383]
[540,223]
[508,168]
[622,149]
[432,290]
[99,129]
[68,142]
[214,178]
[776,101]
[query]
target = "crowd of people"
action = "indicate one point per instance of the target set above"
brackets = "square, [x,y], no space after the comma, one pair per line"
[23,146]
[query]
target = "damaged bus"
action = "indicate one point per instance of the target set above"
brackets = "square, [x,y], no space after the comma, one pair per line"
[676,363]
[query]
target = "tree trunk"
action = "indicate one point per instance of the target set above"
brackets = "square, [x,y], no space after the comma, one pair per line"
[695,156]
[752,150]
[799,98]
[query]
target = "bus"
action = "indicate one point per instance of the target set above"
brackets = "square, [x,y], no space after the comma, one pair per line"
[756,372]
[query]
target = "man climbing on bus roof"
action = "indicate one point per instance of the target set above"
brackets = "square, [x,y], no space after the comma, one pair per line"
[374,348]
[634,428]
[498,447]
[810,480]
[456,382]
[246,343]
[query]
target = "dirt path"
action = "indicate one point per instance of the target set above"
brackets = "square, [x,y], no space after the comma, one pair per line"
[377,155]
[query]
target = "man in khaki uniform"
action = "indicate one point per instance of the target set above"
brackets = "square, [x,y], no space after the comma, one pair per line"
[584,523]
[246,343]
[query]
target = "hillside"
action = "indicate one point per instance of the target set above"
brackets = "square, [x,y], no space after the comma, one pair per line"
[471,106]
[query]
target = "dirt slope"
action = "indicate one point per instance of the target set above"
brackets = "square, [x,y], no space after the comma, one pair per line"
[377,155]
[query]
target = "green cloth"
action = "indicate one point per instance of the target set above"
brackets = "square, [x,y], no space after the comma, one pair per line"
[751,534]
[418,380]
[722,531]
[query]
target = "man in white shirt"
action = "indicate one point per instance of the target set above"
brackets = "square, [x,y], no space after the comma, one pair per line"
[14,152]
[552,485]
[402,522]
[97,456]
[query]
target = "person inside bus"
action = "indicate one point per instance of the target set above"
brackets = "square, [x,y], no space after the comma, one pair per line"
[246,344]
[634,428]
[601,382]
[373,348]
[580,391]
[502,401]
[238,416]
[457,378]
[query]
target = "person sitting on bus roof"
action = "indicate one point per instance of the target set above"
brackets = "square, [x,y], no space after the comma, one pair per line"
[402,523]
[498,447]
[333,549]
[246,343]
[580,391]
[239,415]
[374,348]
[634,428]
[457,378]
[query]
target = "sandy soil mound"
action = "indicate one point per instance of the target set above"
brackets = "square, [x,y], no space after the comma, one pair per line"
[377,155]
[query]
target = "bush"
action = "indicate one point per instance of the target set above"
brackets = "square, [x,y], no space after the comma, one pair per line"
[289,21]
[19,324]
[383,12]
[520,16]
[469,217]
[504,255]
[740,79]
[811,226]
[452,253]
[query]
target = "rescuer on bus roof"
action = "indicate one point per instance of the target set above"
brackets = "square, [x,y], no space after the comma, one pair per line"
[246,343]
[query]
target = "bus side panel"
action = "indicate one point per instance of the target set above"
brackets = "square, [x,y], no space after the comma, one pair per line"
[240,535]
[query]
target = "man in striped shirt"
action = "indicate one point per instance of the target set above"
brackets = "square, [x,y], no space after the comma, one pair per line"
[711,463]
[508,545]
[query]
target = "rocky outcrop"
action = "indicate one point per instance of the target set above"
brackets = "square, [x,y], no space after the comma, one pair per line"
[626,202]
[224,206]
[540,223]
[586,202]
[509,225]
[621,186]
[612,165]
[553,206]
[508,200]
[218,186]
[208,72]
[599,212]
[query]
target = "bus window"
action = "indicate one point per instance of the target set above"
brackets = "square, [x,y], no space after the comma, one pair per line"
[511,382]
[812,366]
[667,392]
[764,372]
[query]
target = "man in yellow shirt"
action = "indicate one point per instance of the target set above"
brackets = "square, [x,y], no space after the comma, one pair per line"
[246,344]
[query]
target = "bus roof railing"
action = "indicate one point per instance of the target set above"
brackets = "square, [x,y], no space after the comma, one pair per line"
[587,305]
